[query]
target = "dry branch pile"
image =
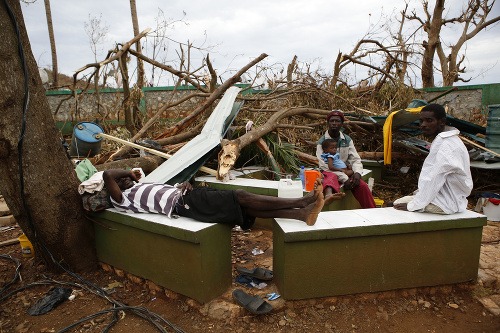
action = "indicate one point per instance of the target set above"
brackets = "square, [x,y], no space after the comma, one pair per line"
[287,119]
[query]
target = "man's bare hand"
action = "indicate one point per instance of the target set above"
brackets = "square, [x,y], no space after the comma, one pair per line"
[401,206]
[137,175]
[185,187]
[355,180]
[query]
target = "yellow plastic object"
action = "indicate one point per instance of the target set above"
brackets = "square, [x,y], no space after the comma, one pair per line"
[26,246]
[378,202]
[387,132]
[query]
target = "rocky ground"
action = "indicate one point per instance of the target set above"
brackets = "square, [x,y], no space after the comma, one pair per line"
[470,307]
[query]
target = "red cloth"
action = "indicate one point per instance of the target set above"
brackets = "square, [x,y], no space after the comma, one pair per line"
[494,201]
[337,113]
[361,192]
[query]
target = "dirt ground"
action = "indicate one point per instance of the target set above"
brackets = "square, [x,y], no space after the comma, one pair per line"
[453,308]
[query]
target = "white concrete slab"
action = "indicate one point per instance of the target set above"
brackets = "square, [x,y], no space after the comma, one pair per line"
[368,217]
[181,222]
[248,182]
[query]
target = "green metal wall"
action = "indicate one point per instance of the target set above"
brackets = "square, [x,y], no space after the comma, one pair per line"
[490,92]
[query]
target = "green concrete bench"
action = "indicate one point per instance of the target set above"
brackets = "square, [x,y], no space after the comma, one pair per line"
[270,187]
[368,250]
[183,255]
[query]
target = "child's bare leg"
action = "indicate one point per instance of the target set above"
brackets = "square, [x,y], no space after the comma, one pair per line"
[330,196]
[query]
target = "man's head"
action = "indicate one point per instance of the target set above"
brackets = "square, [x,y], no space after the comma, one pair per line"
[335,119]
[432,120]
[125,183]
[329,146]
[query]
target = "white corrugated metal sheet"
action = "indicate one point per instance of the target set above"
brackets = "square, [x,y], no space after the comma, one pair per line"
[199,146]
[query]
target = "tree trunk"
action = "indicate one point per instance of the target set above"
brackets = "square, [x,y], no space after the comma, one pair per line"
[433,29]
[138,48]
[140,66]
[230,149]
[38,180]
[48,13]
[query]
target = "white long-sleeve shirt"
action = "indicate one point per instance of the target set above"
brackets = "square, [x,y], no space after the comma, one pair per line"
[445,179]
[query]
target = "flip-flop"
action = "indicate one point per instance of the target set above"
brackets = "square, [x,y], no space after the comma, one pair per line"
[254,304]
[258,272]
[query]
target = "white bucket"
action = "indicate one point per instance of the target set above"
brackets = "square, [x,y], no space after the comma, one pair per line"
[288,188]
[492,211]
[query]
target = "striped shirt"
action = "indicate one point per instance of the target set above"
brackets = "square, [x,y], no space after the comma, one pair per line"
[148,198]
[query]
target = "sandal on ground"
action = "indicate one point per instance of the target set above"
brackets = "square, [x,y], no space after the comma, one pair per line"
[258,272]
[254,304]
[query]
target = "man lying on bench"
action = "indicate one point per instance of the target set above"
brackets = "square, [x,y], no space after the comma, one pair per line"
[205,204]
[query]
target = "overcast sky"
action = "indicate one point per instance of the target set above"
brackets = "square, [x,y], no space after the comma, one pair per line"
[314,30]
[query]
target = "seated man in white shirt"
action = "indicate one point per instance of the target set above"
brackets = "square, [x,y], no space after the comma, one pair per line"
[445,180]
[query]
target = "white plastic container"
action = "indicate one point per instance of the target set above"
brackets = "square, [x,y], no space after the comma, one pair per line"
[288,188]
[492,211]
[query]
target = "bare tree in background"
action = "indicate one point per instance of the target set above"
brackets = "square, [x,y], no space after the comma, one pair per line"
[473,18]
[138,48]
[140,70]
[48,14]
[97,32]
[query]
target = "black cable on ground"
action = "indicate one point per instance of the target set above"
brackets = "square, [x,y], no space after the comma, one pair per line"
[90,286]
[17,275]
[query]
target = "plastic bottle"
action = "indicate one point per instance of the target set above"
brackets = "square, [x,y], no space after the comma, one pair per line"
[302,176]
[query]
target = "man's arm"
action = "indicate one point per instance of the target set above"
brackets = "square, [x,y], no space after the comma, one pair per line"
[353,159]
[356,168]
[430,183]
[110,178]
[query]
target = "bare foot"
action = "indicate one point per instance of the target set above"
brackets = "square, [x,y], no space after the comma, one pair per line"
[312,196]
[315,209]
[332,197]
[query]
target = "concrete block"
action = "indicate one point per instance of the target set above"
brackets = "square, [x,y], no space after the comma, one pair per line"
[372,250]
[183,255]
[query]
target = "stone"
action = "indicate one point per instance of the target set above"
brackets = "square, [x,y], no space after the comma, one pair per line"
[222,310]
[7,220]
[171,294]
[106,267]
[485,279]
[4,210]
[119,272]
[134,278]
[192,303]
[490,305]
[153,287]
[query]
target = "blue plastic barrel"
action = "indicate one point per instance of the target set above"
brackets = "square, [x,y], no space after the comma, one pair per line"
[85,142]
[493,128]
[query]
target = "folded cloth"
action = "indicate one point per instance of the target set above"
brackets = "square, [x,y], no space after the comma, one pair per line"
[93,184]
[84,170]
